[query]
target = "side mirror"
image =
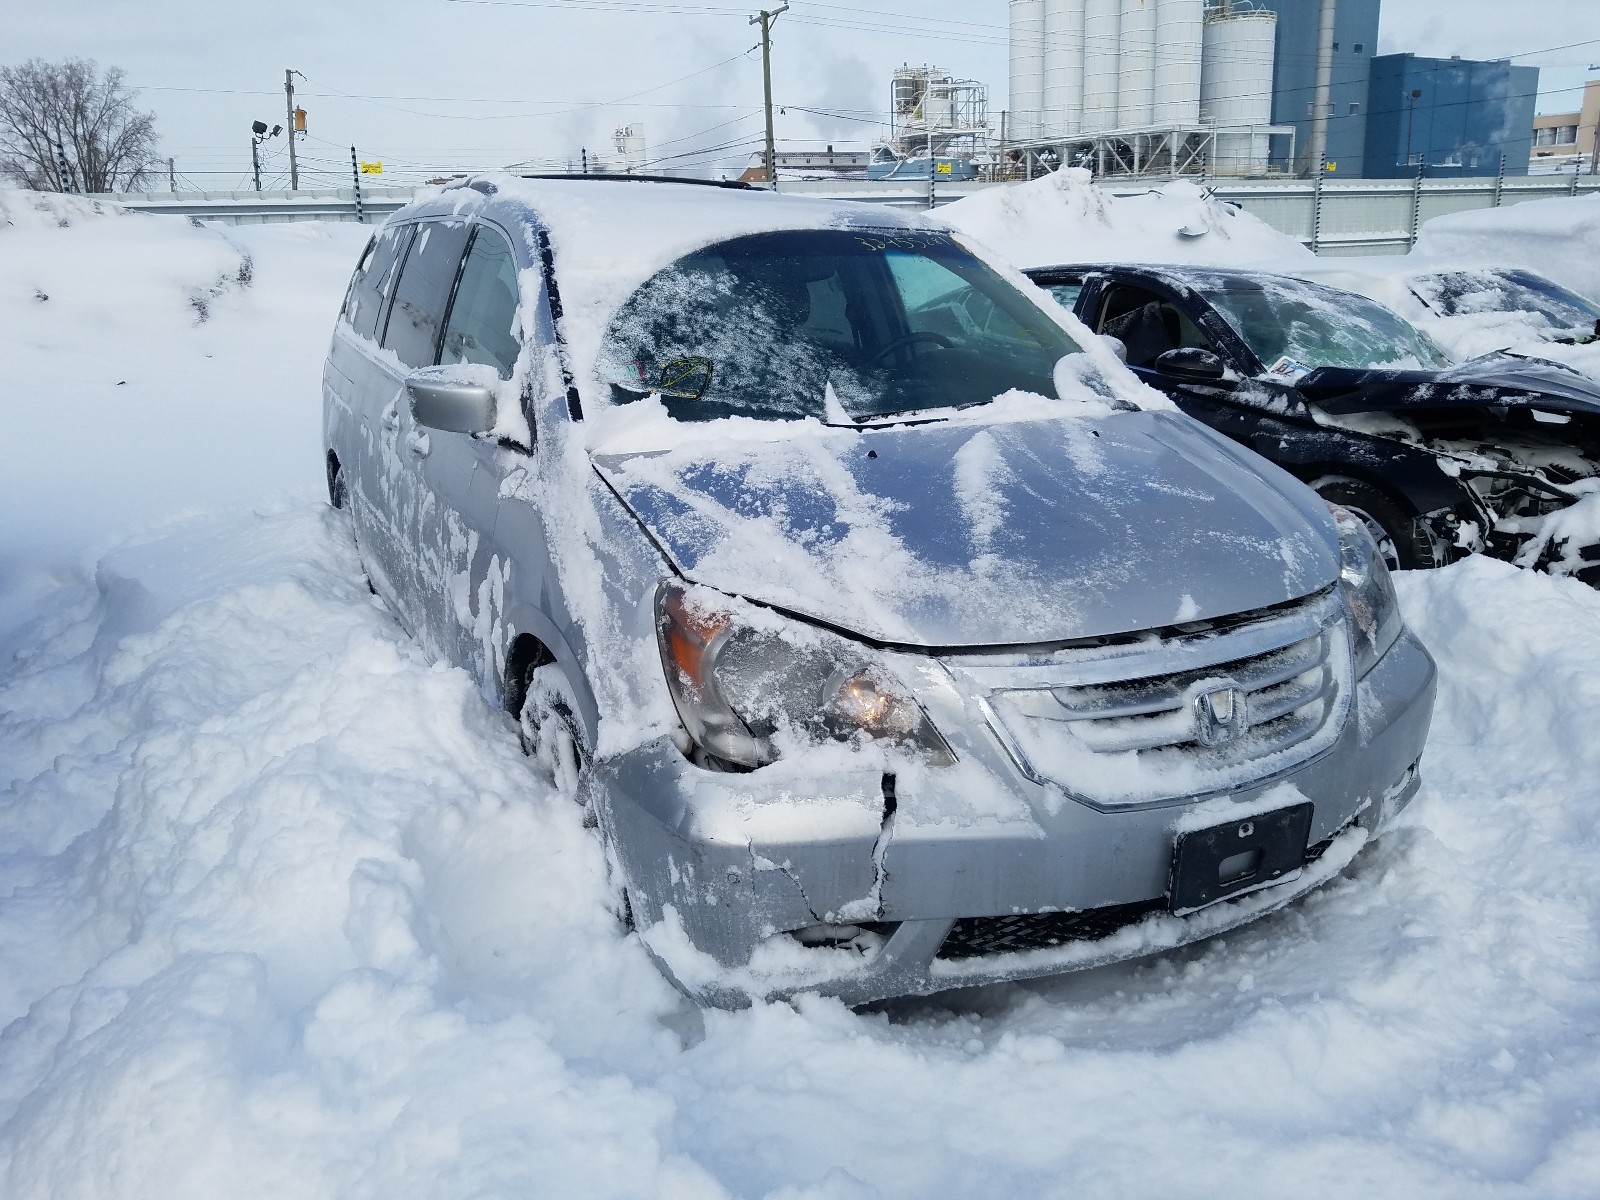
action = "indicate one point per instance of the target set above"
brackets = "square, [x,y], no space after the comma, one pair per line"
[446,401]
[1190,362]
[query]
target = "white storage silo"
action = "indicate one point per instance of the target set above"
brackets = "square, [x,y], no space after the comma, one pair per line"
[1101,40]
[1027,69]
[1136,83]
[1063,67]
[1180,27]
[1236,87]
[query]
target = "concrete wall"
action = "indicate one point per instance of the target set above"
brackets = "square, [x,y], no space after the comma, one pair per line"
[1341,217]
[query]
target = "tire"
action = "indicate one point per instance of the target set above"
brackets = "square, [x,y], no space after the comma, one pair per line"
[1403,540]
[550,732]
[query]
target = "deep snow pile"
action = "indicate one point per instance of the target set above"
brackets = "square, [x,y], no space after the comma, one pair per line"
[152,367]
[1065,218]
[1559,239]
[287,913]
[284,911]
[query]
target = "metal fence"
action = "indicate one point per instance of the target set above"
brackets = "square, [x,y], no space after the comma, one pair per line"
[1348,217]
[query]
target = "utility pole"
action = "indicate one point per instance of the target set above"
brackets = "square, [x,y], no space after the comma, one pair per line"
[765,20]
[172,175]
[291,125]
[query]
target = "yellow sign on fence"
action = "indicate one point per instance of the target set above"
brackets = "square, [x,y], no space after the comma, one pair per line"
[372,168]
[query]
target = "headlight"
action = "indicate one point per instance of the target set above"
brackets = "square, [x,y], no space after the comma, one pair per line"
[1368,592]
[747,683]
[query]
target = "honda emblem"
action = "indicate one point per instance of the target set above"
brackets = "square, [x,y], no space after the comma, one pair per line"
[1219,716]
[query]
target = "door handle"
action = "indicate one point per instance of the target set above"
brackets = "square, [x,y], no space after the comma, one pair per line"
[417,443]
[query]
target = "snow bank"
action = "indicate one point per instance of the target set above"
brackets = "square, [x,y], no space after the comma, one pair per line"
[287,912]
[1065,218]
[153,366]
[1559,239]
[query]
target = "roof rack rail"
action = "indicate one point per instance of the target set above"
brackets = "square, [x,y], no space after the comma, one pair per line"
[616,178]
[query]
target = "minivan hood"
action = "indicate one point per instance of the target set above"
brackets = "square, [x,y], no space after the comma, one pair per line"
[1493,379]
[964,534]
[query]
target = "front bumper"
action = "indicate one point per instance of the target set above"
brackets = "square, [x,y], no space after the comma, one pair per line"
[719,868]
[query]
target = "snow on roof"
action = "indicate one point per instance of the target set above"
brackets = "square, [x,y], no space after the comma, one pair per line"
[1065,217]
[1559,239]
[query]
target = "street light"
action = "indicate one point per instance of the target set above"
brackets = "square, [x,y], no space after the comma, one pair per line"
[259,134]
[1411,112]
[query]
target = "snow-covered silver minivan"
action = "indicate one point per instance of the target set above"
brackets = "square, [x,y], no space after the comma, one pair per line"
[894,636]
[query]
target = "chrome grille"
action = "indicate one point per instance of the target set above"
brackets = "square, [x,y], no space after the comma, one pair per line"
[1180,715]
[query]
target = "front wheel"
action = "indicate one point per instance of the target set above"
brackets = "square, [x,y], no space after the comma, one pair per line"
[1404,541]
[550,732]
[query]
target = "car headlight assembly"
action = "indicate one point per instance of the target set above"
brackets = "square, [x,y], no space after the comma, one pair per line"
[748,684]
[1368,591]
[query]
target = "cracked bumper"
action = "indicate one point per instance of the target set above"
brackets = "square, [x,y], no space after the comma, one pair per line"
[719,867]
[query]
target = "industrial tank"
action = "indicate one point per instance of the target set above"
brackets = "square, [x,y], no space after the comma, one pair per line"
[1137,64]
[1236,87]
[1180,26]
[1101,41]
[1027,69]
[1063,68]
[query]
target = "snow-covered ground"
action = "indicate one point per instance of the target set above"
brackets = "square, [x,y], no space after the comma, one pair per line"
[284,911]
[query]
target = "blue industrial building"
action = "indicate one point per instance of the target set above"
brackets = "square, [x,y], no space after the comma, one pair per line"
[1294,80]
[1459,117]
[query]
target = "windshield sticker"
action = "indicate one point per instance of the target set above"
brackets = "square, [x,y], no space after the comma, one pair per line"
[1288,369]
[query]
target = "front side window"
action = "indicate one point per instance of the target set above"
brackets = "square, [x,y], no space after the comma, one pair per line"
[369,290]
[1293,327]
[423,291]
[1148,325]
[483,316]
[829,323]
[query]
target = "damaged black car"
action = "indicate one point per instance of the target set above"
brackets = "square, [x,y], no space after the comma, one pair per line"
[1499,455]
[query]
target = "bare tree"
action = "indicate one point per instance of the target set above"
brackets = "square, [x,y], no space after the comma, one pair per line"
[66,127]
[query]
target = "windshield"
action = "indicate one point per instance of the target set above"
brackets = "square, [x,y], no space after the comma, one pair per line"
[1456,293]
[832,324]
[1294,327]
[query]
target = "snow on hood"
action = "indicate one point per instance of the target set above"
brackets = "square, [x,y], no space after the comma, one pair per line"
[1064,217]
[1559,239]
[1495,379]
[966,534]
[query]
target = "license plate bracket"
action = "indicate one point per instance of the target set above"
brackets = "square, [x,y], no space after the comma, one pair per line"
[1238,856]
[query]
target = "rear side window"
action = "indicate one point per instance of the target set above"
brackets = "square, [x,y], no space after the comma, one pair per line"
[369,289]
[423,291]
[483,316]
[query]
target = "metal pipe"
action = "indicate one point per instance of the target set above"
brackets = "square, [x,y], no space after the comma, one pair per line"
[1322,103]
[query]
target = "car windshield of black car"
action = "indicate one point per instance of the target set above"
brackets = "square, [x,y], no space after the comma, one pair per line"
[1293,327]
